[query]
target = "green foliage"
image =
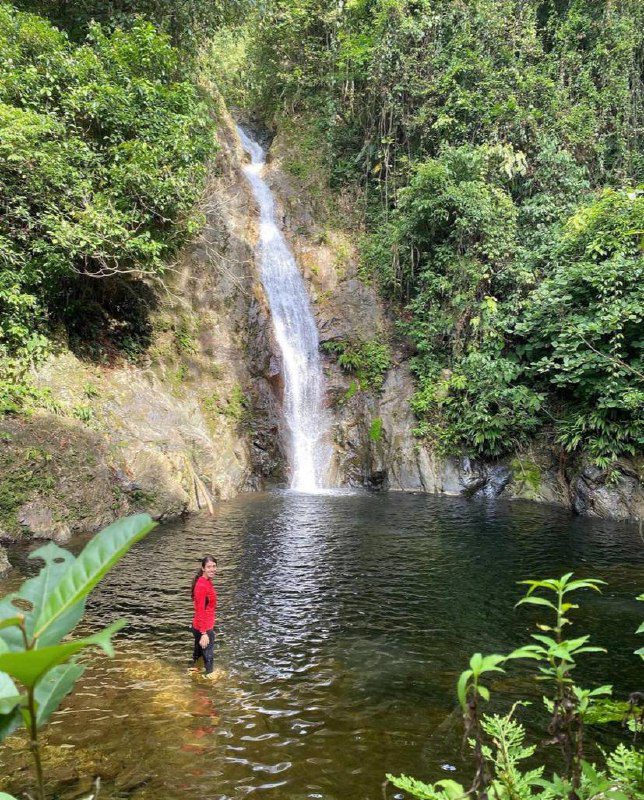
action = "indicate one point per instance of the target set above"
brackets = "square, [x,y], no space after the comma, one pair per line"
[469,689]
[481,405]
[582,326]
[36,619]
[188,23]
[375,430]
[481,136]
[368,361]
[226,58]
[506,752]
[102,150]
[441,790]
[498,742]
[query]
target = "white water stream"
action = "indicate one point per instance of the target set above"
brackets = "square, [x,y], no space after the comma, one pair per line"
[306,417]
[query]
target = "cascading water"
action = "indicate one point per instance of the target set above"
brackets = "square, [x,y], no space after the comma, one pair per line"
[297,337]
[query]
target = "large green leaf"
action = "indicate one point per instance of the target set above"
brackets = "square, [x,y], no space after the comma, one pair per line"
[32,596]
[29,666]
[5,796]
[53,687]
[10,699]
[98,556]
[9,695]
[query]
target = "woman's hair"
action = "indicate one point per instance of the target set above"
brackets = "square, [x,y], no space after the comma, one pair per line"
[205,560]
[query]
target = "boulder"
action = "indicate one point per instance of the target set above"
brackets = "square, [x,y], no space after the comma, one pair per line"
[42,522]
[610,494]
[5,566]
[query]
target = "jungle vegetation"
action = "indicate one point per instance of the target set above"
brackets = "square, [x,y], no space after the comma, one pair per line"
[496,149]
[104,136]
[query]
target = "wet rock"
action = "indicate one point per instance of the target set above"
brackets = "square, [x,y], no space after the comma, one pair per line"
[497,479]
[462,476]
[5,566]
[615,493]
[376,480]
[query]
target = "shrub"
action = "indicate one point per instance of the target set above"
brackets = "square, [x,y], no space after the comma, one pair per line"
[368,361]
[582,326]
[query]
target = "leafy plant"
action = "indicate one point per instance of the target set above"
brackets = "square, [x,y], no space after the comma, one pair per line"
[367,360]
[569,702]
[36,620]
[102,151]
[498,742]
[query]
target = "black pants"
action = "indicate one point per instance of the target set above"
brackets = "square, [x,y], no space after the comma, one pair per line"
[207,652]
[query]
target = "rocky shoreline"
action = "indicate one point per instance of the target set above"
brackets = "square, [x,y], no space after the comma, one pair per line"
[198,419]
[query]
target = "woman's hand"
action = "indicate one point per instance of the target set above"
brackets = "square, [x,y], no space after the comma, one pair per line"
[204,641]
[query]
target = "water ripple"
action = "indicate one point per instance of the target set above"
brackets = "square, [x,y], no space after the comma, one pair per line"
[343,624]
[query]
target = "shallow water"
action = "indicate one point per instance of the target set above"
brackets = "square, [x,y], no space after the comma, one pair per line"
[343,624]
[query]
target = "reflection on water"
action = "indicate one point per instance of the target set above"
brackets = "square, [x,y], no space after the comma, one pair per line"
[344,622]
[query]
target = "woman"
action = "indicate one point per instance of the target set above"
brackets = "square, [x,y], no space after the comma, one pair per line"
[204,598]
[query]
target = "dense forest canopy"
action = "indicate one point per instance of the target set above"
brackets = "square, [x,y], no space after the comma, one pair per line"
[496,148]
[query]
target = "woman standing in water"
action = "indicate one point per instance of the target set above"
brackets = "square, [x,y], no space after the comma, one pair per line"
[204,598]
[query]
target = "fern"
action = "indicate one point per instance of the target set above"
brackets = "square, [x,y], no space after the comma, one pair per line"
[508,735]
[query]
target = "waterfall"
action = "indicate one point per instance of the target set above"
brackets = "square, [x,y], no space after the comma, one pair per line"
[297,337]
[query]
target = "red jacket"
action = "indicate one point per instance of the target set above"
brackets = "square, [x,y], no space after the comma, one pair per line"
[205,601]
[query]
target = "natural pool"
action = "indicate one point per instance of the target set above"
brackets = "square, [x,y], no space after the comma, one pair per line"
[343,624]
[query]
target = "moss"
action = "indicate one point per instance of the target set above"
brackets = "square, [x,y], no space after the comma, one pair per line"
[24,474]
[526,473]
[235,406]
[375,431]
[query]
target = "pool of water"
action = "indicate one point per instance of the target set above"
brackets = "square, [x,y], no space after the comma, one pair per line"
[343,624]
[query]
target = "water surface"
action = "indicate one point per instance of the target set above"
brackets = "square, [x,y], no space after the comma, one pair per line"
[344,622]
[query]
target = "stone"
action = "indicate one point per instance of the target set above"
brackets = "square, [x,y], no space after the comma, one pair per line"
[41,522]
[5,566]
[609,494]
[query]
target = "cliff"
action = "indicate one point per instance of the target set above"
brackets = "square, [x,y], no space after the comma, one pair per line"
[197,417]
[190,421]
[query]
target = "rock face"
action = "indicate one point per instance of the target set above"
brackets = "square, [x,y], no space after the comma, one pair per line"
[192,421]
[395,460]
[5,566]
[616,494]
